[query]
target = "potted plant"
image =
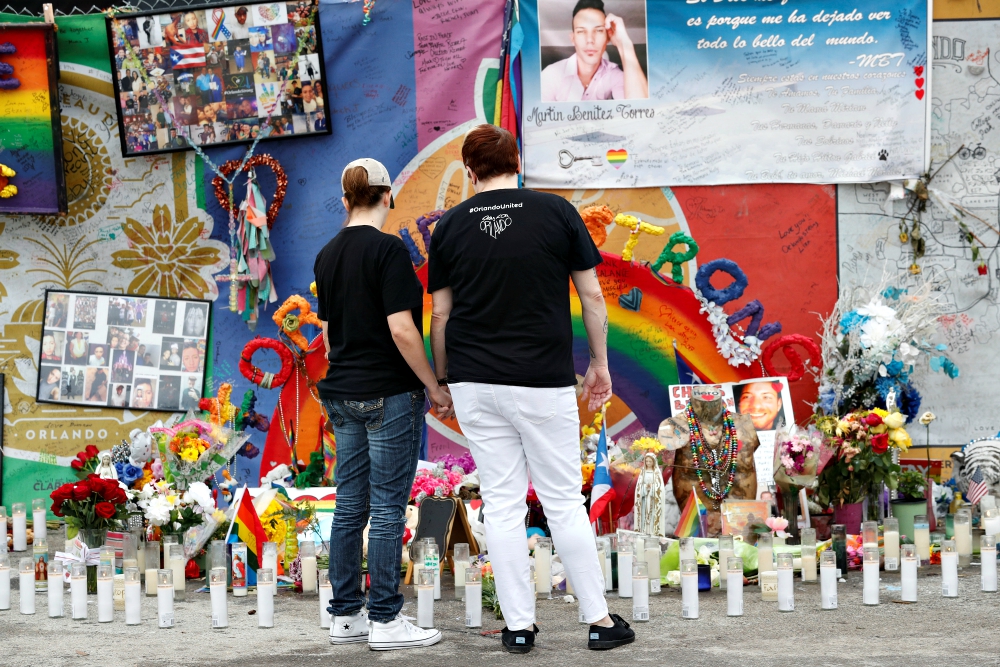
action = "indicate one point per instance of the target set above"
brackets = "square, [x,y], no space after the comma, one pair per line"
[911,490]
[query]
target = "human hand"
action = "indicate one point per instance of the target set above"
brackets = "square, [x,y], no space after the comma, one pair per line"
[441,400]
[615,26]
[597,386]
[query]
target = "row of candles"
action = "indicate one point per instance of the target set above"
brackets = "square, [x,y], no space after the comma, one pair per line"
[19,521]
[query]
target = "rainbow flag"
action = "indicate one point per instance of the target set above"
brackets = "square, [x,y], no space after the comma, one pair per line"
[248,528]
[692,521]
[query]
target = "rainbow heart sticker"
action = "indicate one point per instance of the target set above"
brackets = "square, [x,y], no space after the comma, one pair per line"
[617,157]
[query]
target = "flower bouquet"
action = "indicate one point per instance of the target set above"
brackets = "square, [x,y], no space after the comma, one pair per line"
[195,450]
[437,482]
[168,510]
[799,457]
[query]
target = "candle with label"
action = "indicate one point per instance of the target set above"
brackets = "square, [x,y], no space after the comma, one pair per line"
[908,563]
[460,563]
[640,591]
[26,569]
[425,597]
[265,598]
[963,537]
[40,551]
[768,585]
[949,569]
[239,553]
[19,515]
[734,586]
[808,541]
[890,542]
[105,593]
[870,572]
[78,591]
[307,557]
[217,590]
[922,539]
[133,596]
[765,555]
[652,545]
[152,565]
[988,558]
[39,513]
[689,589]
[432,564]
[56,589]
[177,563]
[165,598]
[726,551]
[473,597]
[625,560]
[786,583]
[325,595]
[828,579]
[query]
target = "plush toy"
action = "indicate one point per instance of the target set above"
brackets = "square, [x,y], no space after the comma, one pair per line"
[141,448]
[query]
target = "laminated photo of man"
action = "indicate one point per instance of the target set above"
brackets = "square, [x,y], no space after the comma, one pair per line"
[589,74]
[762,401]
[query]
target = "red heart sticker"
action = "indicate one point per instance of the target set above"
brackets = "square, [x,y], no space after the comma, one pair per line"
[920,83]
[918,70]
[919,94]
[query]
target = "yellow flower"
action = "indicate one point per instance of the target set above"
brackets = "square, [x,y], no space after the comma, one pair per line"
[895,420]
[647,444]
[189,454]
[169,259]
[843,426]
[880,412]
[587,430]
[881,428]
[900,438]
[219,516]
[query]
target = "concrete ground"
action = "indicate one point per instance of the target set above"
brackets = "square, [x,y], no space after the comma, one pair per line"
[933,632]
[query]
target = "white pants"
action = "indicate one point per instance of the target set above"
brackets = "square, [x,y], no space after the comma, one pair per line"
[511,431]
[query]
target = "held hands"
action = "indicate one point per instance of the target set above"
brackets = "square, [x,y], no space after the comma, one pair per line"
[597,386]
[615,26]
[441,401]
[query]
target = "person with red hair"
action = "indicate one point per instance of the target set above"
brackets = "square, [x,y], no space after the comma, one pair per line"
[500,264]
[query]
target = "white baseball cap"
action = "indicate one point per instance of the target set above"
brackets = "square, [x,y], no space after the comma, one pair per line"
[378,175]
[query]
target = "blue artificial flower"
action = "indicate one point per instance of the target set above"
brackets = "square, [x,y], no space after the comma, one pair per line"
[894,293]
[827,401]
[128,474]
[852,321]
[894,368]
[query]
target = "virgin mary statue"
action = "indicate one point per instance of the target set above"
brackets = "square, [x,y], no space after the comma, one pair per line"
[649,498]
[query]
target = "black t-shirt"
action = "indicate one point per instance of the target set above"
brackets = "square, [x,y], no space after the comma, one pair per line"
[507,256]
[363,276]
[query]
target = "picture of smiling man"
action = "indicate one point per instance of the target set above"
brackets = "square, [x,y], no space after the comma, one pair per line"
[589,74]
[762,401]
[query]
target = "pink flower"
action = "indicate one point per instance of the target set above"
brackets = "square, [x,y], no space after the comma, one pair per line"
[777,524]
[156,467]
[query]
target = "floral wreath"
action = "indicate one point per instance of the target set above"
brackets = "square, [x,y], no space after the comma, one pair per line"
[737,352]
[289,322]
[256,375]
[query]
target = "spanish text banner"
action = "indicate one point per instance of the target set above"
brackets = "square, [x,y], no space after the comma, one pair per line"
[631,93]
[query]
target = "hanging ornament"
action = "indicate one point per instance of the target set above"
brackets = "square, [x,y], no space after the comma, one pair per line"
[254,254]
[367,9]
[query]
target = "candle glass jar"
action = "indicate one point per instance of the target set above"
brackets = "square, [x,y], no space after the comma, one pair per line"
[425,597]
[869,534]
[828,579]
[105,593]
[765,553]
[908,564]
[786,583]
[890,543]
[78,590]
[870,565]
[26,580]
[922,539]
[133,596]
[307,562]
[217,555]
[626,556]
[543,568]
[686,545]
[963,537]
[808,547]
[217,590]
[473,597]
[165,598]
[325,596]
[734,586]
[689,589]
[265,597]
[604,556]
[152,565]
[640,591]
[56,589]
[19,516]
[839,544]
[726,551]
[39,513]
[652,552]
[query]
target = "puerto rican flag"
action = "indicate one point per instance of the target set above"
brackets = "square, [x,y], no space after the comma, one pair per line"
[187,55]
[601,493]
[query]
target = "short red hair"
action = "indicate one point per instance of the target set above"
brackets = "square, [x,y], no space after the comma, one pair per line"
[490,151]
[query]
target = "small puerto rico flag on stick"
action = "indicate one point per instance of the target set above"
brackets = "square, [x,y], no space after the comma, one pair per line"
[601,493]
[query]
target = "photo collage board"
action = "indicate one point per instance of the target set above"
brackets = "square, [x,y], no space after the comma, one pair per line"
[123,351]
[217,74]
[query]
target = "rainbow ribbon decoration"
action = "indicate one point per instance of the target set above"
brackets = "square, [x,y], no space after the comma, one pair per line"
[219,18]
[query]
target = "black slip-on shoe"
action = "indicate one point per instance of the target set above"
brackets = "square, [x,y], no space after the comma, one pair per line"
[519,641]
[619,634]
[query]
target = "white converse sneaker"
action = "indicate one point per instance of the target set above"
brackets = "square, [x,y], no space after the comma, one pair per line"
[349,629]
[400,633]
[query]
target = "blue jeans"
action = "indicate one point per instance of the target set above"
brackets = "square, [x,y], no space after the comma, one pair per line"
[378,444]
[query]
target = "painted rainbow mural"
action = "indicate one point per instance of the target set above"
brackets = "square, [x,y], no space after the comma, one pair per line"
[30,133]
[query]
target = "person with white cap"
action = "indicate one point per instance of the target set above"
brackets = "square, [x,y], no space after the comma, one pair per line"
[371,307]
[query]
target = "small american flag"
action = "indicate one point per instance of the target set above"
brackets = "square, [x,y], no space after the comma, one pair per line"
[977,487]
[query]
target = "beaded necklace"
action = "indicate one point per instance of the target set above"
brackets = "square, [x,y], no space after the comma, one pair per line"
[720,463]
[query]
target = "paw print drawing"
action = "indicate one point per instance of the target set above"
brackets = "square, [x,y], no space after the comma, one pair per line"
[493,226]
[7,80]
[883,155]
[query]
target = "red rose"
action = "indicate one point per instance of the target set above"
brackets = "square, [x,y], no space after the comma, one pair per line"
[105,510]
[76,464]
[91,451]
[880,442]
[57,508]
[872,419]
[118,497]
[81,491]
[64,492]
[191,570]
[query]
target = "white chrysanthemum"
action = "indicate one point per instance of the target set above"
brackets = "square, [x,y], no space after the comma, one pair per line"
[199,494]
[158,511]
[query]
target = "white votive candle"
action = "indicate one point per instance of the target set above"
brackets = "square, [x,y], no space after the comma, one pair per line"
[734,586]
[963,537]
[460,562]
[55,589]
[177,563]
[786,583]
[890,542]
[19,514]
[765,555]
[908,563]
[4,581]
[949,569]
[653,562]
[217,589]
[640,591]
[432,564]
[151,566]
[26,568]
[828,579]
[165,598]
[768,585]
[988,558]
[922,539]
[473,598]
[625,560]
[270,558]
[105,593]
[990,521]
[325,595]
[425,598]
[726,551]
[39,513]
[78,591]
[689,589]
[307,557]
[265,598]
[870,572]
[40,549]
[133,596]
